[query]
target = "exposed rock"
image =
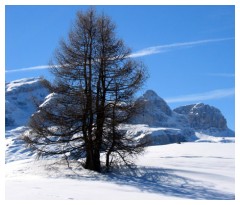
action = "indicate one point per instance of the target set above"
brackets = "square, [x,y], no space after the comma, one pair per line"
[154,102]
[206,119]
[203,116]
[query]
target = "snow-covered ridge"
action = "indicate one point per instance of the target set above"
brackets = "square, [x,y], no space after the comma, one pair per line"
[22,84]
[21,97]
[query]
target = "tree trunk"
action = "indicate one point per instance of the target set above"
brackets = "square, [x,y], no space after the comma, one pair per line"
[97,162]
[93,161]
[89,163]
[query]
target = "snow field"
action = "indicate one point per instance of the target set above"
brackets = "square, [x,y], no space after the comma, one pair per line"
[175,171]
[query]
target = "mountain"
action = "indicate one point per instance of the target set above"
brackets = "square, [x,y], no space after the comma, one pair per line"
[206,119]
[21,97]
[157,113]
[155,121]
[164,125]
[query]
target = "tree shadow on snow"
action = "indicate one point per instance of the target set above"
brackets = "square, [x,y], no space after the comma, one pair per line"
[165,181]
[157,180]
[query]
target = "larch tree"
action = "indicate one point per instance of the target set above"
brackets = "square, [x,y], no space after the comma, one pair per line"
[91,96]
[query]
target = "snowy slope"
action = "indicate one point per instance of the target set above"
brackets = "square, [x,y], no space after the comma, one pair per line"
[185,171]
[203,137]
[158,135]
[20,98]
[16,149]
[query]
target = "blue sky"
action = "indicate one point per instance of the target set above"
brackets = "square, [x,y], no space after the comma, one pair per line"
[189,50]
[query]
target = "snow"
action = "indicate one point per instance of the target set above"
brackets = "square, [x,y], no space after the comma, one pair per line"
[14,85]
[174,171]
[158,134]
[202,137]
[21,97]
[15,147]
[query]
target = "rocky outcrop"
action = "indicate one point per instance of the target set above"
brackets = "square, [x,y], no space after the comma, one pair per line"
[206,119]
[203,116]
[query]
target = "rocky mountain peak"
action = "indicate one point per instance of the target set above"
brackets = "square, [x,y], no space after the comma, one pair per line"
[150,95]
[202,116]
[153,103]
[155,112]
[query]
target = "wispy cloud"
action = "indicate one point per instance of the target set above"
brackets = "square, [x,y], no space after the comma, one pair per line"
[226,75]
[144,52]
[40,67]
[168,47]
[214,94]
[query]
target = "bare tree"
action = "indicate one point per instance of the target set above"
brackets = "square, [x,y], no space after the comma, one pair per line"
[92,95]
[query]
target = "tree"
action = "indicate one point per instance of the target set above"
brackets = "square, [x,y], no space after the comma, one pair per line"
[92,95]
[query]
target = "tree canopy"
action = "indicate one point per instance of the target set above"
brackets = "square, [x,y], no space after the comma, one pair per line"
[91,96]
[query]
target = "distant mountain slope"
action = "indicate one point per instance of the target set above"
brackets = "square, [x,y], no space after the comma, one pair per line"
[155,121]
[157,113]
[206,119]
[20,98]
[198,122]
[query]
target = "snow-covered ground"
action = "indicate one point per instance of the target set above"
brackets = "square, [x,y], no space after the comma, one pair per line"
[174,171]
